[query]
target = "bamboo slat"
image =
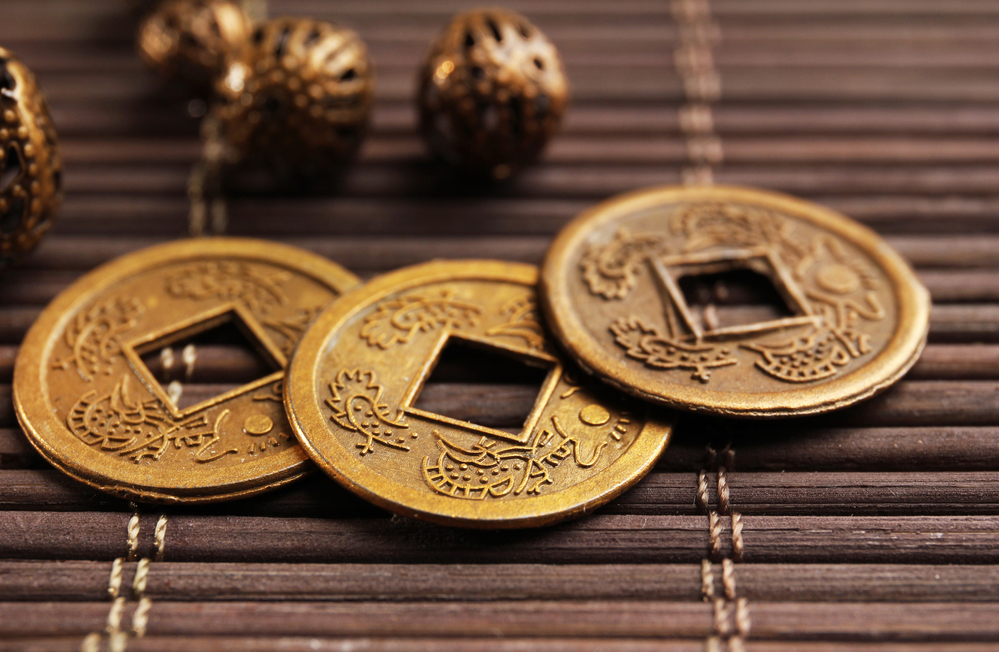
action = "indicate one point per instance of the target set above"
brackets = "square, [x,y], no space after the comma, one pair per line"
[974,622]
[81,581]
[792,493]
[420,180]
[597,539]
[81,252]
[794,447]
[371,644]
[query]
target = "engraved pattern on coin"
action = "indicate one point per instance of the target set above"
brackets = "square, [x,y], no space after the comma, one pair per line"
[400,320]
[95,336]
[229,281]
[523,322]
[494,469]
[819,275]
[273,392]
[645,343]
[611,271]
[268,437]
[291,328]
[141,429]
[356,405]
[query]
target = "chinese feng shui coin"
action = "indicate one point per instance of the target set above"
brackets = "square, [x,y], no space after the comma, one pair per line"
[356,379]
[852,316]
[92,407]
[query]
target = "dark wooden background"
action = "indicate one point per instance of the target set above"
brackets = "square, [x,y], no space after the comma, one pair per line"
[875,527]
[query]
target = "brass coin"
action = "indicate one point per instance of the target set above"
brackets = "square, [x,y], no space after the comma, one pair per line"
[358,373]
[92,408]
[855,317]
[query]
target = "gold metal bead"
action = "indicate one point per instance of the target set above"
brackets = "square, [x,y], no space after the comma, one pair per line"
[298,97]
[30,165]
[491,92]
[193,39]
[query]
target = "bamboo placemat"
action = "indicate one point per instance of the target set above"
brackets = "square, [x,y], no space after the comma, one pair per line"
[872,528]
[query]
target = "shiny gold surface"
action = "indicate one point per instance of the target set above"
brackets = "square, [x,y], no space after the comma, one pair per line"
[492,92]
[609,287]
[193,39]
[92,408]
[359,370]
[298,97]
[30,164]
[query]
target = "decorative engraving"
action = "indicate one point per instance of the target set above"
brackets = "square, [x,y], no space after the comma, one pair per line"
[356,406]
[292,328]
[94,336]
[645,343]
[204,440]
[611,271]
[139,429]
[257,289]
[804,359]
[493,469]
[572,383]
[273,392]
[832,290]
[835,340]
[594,414]
[398,321]
[261,428]
[271,442]
[707,225]
[523,322]
[257,425]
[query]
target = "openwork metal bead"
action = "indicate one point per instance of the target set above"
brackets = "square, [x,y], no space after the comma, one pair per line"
[30,166]
[492,92]
[298,97]
[192,39]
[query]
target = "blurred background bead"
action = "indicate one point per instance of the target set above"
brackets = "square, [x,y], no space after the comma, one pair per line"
[193,39]
[298,97]
[30,166]
[491,92]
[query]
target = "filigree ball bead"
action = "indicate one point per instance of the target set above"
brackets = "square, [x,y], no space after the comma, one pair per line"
[492,92]
[299,97]
[30,166]
[193,39]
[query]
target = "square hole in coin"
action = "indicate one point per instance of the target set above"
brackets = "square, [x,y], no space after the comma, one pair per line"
[735,297]
[483,386]
[206,360]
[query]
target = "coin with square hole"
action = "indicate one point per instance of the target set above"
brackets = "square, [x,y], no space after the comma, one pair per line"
[433,392]
[733,301]
[158,377]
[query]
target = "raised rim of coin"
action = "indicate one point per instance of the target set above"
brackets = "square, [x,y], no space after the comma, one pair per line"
[890,364]
[312,426]
[49,434]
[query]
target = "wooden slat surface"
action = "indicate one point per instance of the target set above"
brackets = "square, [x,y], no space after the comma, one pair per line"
[874,528]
